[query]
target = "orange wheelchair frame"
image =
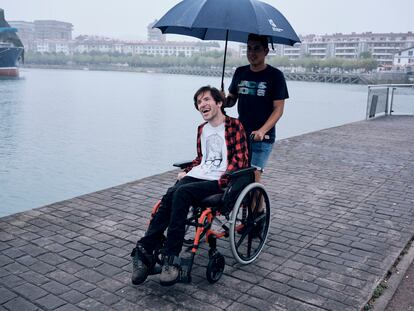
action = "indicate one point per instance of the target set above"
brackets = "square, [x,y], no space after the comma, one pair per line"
[246,208]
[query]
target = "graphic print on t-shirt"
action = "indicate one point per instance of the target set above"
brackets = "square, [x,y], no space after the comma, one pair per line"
[214,162]
[214,155]
[252,88]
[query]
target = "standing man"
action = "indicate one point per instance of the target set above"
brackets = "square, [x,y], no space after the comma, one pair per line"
[260,91]
[221,149]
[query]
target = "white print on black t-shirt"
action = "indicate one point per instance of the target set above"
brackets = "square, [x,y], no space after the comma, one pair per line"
[252,88]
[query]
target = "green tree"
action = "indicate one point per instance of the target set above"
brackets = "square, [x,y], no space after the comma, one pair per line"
[333,62]
[279,61]
[368,64]
[365,55]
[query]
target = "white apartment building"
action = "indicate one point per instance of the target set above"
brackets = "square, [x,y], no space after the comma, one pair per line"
[382,46]
[277,51]
[51,46]
[186,49]
[88,44]
[95,44]
[55,36]
[292,52]
[404,58]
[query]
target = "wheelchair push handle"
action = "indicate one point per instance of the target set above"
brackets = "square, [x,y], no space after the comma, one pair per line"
[266,137]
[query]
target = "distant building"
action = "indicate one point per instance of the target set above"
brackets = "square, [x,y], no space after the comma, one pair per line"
[87,44]
[382,46]
[26,33]
[291,52]
[45,36]
[186,49]
[154,34]
[26,30]
[43,30]
[404,59]
[52,30]
[52,46]
[48,36]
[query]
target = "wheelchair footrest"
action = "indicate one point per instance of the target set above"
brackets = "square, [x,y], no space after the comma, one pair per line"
[185,272]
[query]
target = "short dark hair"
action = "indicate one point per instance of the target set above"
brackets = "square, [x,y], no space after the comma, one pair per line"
[262,39]
[215,93]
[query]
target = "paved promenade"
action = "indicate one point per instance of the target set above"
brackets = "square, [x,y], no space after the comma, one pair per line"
[342,210]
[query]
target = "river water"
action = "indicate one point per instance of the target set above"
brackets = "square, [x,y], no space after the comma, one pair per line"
[64,133]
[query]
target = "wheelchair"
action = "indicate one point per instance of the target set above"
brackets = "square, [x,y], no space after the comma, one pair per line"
[241,213]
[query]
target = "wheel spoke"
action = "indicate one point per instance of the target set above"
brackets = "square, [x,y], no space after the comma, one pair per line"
[249,245]
[258,200]
[243,236]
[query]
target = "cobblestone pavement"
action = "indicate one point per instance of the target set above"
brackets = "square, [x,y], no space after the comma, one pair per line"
[342,210]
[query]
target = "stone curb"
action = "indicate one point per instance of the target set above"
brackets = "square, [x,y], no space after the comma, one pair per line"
[381,303]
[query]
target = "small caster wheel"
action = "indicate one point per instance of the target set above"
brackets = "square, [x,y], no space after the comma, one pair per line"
[215,268]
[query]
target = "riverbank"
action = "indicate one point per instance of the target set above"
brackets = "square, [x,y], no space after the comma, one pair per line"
[343,78]
[342,212]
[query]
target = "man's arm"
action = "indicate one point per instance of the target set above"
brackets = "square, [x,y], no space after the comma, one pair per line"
[231,100]
[278,106]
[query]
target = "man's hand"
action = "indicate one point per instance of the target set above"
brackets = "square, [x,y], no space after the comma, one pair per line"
[230,100]
[181,175]
[259,135]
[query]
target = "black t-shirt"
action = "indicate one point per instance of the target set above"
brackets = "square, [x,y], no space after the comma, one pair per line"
[256,92]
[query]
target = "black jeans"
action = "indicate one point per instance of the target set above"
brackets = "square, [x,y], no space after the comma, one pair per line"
[173,212]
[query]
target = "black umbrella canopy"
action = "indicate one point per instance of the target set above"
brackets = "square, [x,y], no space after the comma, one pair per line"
[229,20]
[232,19]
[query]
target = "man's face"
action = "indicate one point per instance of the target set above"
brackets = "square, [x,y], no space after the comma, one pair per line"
[208,108]
[256,53]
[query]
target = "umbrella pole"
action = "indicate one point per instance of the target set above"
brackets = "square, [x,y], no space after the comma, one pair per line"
[224,61]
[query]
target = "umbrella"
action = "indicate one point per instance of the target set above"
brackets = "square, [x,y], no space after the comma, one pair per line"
[229,20]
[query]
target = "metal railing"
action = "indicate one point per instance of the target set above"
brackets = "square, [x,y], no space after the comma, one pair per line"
[381,100]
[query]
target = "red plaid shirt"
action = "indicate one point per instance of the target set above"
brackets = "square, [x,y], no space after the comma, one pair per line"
[237,150]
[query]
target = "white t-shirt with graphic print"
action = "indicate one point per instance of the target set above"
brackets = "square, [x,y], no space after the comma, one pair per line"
[214,149]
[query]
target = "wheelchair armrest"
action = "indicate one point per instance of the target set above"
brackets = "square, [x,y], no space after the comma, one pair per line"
[238,181]
[241,172]
[183,164]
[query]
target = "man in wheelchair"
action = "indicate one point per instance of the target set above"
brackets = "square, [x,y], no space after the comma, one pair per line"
[221,149]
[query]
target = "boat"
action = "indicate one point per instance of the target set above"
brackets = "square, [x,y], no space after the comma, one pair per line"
[11,49]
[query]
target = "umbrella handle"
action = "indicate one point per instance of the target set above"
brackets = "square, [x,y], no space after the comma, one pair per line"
[224,61]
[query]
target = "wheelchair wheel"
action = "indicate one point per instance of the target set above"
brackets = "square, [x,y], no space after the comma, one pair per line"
[215,268]
[250,220]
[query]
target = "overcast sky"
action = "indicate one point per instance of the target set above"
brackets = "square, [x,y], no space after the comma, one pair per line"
[127,19]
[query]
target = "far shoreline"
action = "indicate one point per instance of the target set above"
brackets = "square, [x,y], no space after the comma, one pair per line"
[342,78]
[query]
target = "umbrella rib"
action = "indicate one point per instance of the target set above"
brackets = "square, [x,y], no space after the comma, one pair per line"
[255,13]
[195,18]
[205,33]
